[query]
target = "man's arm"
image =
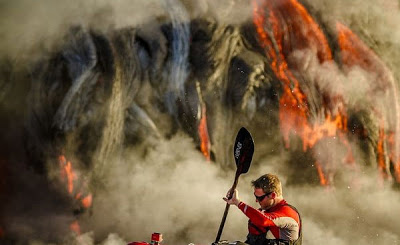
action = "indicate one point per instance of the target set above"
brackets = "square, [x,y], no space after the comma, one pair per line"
[257,217]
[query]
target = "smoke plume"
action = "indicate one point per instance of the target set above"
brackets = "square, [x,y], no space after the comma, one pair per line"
[118,117]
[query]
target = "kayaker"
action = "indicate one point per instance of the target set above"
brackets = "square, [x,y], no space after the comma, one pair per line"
[276,221]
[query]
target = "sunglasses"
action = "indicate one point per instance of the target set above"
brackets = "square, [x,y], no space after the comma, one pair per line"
[260,198]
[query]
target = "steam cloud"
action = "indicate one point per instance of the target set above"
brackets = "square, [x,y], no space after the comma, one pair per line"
[168,187]
[173,190]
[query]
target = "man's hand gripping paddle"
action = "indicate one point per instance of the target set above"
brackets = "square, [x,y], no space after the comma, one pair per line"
[243,153]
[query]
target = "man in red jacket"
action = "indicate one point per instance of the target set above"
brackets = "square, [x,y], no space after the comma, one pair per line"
[275,222]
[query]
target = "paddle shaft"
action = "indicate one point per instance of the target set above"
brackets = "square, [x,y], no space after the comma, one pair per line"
[221,226]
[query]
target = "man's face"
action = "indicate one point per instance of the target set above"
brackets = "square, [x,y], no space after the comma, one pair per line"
[266,202]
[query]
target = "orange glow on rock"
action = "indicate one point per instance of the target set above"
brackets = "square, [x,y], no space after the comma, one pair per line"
[75,227]
[395,160]
[355,53]
[323,181]
[203,134]
[303,33]
[381,154]
[87,201]
[68,175]
[78,196]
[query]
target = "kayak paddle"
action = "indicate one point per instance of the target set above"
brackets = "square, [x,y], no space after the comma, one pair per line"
[243,153]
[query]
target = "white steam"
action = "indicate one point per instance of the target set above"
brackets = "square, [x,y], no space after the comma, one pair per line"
[173,190]
[28,27]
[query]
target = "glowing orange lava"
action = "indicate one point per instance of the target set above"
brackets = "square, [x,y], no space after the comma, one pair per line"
[396,160]
[355,53]
[87,201]
[203,134]
[74,226]
[275,21]
[68,175]
[322,178]
[382,162]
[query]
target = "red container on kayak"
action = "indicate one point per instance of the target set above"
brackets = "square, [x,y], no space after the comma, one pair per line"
[156,239]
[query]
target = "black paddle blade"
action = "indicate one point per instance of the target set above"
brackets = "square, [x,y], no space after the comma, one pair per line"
[243,150]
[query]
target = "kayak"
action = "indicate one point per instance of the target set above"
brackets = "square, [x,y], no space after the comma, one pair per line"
[156,239]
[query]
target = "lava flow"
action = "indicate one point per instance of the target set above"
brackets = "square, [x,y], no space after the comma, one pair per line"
[355,53]
[69,177]
[202,128]
[271,19]
[203,134]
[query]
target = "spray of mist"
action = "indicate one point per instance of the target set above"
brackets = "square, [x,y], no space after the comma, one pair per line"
[173,190]
[169,187]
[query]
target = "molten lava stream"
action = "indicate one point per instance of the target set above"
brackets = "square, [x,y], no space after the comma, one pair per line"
[68,176]
[75,227]
[202,129]
[355,53]
[203,134]
[322,178]
[396,160]
[87,201]
[67,173]
[284,15]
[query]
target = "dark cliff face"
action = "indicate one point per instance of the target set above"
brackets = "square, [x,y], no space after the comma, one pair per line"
[153,81]
[68,98]
[70,93]
[99,92]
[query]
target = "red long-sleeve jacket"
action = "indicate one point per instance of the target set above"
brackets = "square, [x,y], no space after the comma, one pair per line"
[279,222]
